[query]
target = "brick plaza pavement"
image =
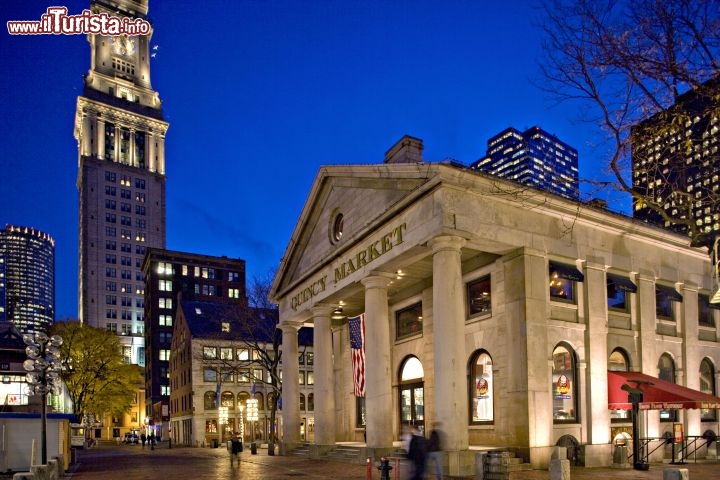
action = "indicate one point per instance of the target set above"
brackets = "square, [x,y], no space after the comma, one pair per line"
[132,462]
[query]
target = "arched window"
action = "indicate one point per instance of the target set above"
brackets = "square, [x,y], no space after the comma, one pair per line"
[261,402]
[302,401]
[618,362]
[311,402]
[666,371]
[707,385]
[209,401]
[242,398]
[227,399]
[481,388]
[564,385]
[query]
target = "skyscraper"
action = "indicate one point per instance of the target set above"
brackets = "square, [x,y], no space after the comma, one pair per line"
[676,163]
[27,278]
[120,131]
[534,158]
[169,276]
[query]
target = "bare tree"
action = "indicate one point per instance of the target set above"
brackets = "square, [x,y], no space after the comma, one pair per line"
[648,73]
[255,328]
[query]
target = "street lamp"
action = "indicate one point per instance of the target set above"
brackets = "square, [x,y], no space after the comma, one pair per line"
[635,397]
[43,377]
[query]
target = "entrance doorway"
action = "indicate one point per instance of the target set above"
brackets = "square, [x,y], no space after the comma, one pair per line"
[412,394]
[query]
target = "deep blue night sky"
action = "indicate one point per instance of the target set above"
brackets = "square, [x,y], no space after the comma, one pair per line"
[260,94]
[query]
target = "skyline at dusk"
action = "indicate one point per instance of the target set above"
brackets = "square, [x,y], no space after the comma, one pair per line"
[260,95]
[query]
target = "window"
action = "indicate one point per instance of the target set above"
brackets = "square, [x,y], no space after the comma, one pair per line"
[209,375]
[310,358]
[242,353]
[244,376]
[666,371]
[301,378]
[562,282]
[408,321]
[360,415]
[564,385]
[618,362]
[705,311]
[233,293]
[165,285]
[166,303]
[617,292]
[707,385]
[478,296]
[111,327]
[210,353]
[481,388]
[226,353]
[311,402]
[310,378]
[664,296]
[302,402]
[226,376]
[301,358]
[233,276]
[164,355]
[165,268]
[209,404]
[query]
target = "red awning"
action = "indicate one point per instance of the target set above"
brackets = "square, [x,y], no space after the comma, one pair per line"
[657,394]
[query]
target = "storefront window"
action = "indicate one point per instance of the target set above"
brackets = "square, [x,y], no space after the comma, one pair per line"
[664,297]
[479,296]
[562,282]
[618,362]
[707,385]
[618,290]
[481,388]
[408,321]
[666,371]
[564,385]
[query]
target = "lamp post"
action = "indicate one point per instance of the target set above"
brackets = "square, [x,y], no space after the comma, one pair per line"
[635,397]
[43,377]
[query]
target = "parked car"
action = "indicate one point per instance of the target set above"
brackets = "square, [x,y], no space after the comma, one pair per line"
[131,438]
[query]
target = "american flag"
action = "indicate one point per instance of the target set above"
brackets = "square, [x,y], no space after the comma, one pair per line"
[357,352]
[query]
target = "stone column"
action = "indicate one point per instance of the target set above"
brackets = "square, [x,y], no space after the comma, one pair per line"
[378,372]
[160,154]
[324,388]
[645,303]
[688,329]
[100,126]
[596,355]
[290,384]
[151,162]
[86,135]
[450,362]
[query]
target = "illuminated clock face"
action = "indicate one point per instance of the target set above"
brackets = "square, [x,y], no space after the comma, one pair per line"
[123,44]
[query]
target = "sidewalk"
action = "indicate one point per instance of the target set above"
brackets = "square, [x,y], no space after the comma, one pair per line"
[132,462]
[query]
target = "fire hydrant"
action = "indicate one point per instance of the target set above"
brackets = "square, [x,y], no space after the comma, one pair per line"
[384,468]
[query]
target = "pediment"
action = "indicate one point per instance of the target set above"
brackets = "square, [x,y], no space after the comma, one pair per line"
[362,195]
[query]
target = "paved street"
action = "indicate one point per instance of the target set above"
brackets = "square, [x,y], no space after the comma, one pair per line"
[112,462]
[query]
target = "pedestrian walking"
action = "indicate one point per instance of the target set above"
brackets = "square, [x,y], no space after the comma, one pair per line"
[143,439]
[417,454]
[235,449]
[434,450]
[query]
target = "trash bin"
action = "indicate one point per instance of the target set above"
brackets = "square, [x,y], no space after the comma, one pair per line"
[253,448]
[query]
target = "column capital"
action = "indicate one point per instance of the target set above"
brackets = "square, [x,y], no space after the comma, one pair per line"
[289,327]
[378,280]
[323,309]
[446,242]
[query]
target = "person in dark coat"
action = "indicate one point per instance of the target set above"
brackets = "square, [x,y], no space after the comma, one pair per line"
[434,448]
[416,454]
[235,448]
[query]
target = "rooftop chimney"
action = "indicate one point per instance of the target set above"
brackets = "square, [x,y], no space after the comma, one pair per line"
[407,150]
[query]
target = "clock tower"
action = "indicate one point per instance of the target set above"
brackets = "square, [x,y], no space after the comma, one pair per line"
[120,131]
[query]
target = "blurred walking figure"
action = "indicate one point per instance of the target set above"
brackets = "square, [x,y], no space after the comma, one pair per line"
[434,448]
[417,454]
[235,449]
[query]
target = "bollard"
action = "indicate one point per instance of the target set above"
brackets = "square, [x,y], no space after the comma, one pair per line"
[384,468]
[368,474]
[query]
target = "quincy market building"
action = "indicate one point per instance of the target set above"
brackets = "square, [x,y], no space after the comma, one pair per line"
[510,315]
